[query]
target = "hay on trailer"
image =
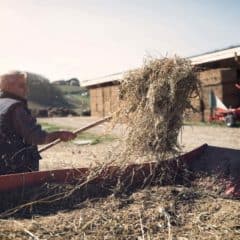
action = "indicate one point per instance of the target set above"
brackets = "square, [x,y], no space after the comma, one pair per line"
[172,212]
[154,99]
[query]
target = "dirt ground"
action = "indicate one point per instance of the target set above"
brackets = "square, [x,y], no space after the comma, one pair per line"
[67,155]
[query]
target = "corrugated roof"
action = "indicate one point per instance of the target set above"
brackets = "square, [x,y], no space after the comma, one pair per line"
[104,79]
[216,50]
[216,55]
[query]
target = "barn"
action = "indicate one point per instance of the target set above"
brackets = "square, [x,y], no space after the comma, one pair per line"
[219,71]
[104,94]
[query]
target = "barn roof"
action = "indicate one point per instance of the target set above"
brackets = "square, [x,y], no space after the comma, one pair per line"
[104,79]
[207,57]
[216,55]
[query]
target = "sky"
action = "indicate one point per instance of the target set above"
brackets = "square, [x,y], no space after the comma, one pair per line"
[61,39]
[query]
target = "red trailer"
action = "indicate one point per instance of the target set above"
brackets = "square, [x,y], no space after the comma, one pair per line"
[210,159]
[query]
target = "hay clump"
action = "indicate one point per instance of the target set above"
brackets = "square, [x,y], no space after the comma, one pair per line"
[170,212]
[154,99]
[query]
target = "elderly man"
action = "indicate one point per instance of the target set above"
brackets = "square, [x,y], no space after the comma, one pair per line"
[19,132]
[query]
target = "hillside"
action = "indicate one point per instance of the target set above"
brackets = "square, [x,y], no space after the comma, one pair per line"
[43,95]
[77,97]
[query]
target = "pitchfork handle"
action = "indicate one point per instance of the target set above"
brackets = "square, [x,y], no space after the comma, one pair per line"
[76,132]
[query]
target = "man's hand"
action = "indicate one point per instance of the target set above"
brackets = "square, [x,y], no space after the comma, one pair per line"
[66,136]
[62,135]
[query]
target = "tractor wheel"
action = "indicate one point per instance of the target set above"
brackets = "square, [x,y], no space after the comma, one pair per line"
[230,120]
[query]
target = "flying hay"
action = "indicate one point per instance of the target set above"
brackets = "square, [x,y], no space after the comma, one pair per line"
[154,99]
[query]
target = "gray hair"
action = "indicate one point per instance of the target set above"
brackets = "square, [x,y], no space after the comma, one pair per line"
[10,78]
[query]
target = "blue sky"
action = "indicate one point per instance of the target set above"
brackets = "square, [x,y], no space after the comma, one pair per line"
[90,38]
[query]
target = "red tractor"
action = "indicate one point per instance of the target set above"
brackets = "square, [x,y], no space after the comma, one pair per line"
[223,114]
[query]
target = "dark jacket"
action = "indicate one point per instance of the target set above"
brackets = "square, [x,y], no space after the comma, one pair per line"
[17,153]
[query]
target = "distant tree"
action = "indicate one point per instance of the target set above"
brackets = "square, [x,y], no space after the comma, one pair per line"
[43,92]
[59,82]
[73,82]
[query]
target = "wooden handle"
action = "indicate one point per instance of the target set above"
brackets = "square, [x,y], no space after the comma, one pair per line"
[76,132]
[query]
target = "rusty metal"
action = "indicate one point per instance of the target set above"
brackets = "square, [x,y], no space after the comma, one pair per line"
[136,172]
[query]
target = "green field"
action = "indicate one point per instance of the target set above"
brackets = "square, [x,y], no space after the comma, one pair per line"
[95,138]
[47,95]
[66,89]
[77,97]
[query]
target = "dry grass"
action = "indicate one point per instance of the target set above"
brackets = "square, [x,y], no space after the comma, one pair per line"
[173,212]
[154,100]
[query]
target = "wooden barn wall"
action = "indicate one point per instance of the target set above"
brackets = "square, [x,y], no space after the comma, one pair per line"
[103,100]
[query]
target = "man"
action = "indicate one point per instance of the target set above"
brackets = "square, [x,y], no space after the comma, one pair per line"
[19,132]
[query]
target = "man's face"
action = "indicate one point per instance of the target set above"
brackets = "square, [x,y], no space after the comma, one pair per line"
[19,87]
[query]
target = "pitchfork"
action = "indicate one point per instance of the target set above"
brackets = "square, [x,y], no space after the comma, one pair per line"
[76,132]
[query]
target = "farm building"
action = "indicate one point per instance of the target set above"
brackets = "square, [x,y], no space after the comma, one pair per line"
[219,71]
[70,82]
[104,94]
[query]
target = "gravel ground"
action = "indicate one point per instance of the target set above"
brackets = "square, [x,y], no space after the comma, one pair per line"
[67,155]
